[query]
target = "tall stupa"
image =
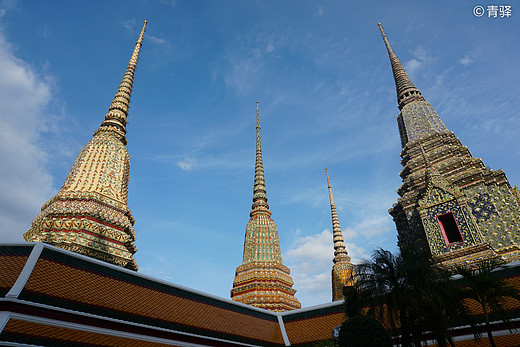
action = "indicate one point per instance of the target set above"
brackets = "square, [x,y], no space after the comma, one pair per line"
[90,214]
[450,206]
[263,280]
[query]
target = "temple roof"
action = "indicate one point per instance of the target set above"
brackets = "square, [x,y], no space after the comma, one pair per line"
[50,296]
[50,292]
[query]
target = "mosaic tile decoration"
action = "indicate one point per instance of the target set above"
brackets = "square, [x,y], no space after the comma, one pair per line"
[343,272]
[89,214]
[441,176]
[262,280]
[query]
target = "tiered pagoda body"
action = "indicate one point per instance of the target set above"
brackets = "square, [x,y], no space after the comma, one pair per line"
[89,215]
[451,205]
[262,280]
[343,272]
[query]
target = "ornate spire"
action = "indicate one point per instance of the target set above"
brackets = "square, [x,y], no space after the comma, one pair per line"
[259,190]
[417,119]
[340,253]
[450,205]
[90,215]
[343,273]
[263,280]
[115,119]
[406,90]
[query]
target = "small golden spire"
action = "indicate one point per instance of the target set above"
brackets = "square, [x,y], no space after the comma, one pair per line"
[115,119]
[340,251]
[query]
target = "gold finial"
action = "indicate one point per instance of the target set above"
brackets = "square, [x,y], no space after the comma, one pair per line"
[142,32]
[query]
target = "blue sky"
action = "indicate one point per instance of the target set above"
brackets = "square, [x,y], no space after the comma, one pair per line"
[327,99]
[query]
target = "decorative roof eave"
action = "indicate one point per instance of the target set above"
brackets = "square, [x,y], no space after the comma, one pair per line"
[37,253]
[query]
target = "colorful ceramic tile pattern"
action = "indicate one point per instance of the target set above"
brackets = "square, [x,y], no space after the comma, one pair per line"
[262,280]
[440,178]
[343,272]
[89,215]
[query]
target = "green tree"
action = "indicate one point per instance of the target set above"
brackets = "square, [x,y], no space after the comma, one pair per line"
[488,290]
[364,331]
[381,283]
[436,300]
[411,295]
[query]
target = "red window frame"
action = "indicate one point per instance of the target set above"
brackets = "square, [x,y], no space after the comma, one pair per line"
[450,229]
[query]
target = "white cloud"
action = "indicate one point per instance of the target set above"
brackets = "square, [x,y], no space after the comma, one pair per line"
[129,24]
[412,66]
[187,164]
[349,233]
[356,253]
[466,60]
[156,40]
[249,67]
[373,225]
[421,54]
[320,11]
[8,5]
[24,183]
[310,260]
[245,65]
[421,58]
[314,249]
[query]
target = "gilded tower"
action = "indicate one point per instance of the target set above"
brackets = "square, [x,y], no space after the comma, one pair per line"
[89,215]
[451,205]
[343,272]
[262,280]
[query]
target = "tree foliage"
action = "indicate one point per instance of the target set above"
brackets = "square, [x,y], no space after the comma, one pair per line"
[414,299]
[488,290]
[364,331]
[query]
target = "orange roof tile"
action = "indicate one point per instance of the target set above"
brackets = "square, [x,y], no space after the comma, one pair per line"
[13,259]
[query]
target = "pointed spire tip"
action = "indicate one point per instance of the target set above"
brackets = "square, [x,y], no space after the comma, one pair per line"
[115,120]
[406,90]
